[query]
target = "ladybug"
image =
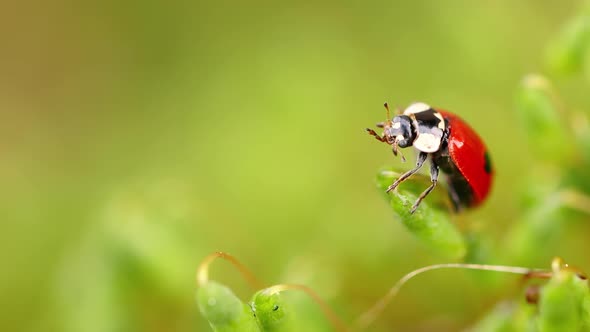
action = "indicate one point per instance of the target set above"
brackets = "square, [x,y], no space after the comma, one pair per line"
[453,146]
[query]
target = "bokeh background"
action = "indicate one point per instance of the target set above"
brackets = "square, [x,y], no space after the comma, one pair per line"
[138,137]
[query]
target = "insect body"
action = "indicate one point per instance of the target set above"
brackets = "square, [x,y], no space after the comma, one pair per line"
[453,146]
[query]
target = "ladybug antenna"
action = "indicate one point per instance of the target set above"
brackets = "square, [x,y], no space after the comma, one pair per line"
[387,108]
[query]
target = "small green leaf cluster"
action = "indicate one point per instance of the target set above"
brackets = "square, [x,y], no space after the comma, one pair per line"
[226,312]
[562,304]
[269,310]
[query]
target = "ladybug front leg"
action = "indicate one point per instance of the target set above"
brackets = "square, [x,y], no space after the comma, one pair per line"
[433,179]
[421,159]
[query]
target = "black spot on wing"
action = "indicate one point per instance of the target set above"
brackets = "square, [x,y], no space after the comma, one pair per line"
[488,163]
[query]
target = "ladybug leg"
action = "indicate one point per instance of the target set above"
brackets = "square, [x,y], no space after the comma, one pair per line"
[373,133]
[433,179]
[455,198]
[396,150]
[421,159]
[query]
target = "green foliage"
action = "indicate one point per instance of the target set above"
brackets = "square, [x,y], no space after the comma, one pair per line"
[542,122]
[272,311]
[562,304]
[224,311]
[431,223]
[560,147]
[267,311]
[558,141]
[227,126]
[508,317]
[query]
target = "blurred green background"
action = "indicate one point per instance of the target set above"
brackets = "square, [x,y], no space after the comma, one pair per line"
[138,137]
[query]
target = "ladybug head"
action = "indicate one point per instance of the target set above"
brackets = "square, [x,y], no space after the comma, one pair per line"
[399,131]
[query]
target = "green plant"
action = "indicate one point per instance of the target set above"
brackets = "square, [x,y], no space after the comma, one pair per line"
[268,310]
[560,304]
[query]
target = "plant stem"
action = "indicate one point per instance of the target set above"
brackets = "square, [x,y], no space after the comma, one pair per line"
[370,315]
[203,269]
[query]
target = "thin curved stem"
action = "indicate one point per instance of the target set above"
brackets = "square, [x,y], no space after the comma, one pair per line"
[203,269]
[370,315]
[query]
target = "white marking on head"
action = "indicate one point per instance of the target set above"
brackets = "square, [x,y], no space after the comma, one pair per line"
[400,137]
[441,124]
[416,108]
[396,125]
[427,143]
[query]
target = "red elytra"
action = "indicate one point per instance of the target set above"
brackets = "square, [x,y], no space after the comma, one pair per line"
[470,155]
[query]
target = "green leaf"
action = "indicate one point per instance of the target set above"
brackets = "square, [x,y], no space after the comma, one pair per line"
[272,311]
[562,303]
[431,223]
[224,311]
[542,123]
